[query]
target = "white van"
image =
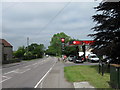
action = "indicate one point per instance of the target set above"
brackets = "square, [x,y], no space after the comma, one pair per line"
[93,58]
[86,54]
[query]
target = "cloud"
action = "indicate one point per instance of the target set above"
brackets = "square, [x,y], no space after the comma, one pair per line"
[22,20]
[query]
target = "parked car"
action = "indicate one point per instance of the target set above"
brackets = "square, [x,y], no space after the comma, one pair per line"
[47,55]
[71,58]
[79,59]
[93,58]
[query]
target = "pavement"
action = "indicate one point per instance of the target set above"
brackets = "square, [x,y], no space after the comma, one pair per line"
[56,78]
[83,85]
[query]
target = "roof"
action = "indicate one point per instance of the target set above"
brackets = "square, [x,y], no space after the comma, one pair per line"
[5,43]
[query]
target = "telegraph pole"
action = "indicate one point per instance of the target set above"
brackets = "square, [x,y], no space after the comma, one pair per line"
[27,43]
[27,47]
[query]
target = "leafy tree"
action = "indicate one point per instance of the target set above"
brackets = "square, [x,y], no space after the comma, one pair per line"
[32,51]
[107,36]
[51,51]
[32,47]
[70,50]
[55,44]
[28,55]
[20,52]
[37,51]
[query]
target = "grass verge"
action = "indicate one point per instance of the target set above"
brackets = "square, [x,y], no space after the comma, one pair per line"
[87,73]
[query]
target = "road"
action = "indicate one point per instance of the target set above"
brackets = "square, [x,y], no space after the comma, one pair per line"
[39,73]
[27,74]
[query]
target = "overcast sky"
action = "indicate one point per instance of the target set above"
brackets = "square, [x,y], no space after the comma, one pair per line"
[40,21]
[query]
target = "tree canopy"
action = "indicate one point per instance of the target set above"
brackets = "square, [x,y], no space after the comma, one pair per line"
[32,51]
[20,52]
[107,28]
[55,47]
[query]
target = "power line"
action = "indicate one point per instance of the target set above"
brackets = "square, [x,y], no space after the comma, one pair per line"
[50,20]
[56,15]
[14,4]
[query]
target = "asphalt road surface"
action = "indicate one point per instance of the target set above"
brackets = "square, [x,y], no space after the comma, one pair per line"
[27,74]
[39,73]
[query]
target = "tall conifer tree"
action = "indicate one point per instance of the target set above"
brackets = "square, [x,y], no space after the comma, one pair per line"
[107,28]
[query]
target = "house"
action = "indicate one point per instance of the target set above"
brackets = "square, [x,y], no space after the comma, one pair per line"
[6,50]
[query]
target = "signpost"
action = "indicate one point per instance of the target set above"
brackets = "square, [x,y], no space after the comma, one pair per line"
[84,49]
[63,44]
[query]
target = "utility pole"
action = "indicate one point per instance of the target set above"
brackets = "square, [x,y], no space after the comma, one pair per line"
[27,47]
[27,43]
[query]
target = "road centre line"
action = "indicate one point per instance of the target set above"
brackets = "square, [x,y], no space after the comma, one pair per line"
[35,63]
[35,66]
[10,72]
[24,71]
[38,65]
[44,76]
[17,69]
[38,62]
[27,66]
[5,76]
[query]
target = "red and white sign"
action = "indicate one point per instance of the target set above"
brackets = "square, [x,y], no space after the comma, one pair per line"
[76,42]
[81,42]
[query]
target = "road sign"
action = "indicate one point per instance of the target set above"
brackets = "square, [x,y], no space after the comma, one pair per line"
[80,42]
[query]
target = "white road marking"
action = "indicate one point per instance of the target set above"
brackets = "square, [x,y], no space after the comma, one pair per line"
[5,79]
[18,71]
[27,66]
[22,71]
[40,63]
[5,76]
[44,76]
[9,72]
[36,66]
[34,63]
[15,71]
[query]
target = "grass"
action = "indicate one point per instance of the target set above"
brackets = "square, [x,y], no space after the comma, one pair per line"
[87,73]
